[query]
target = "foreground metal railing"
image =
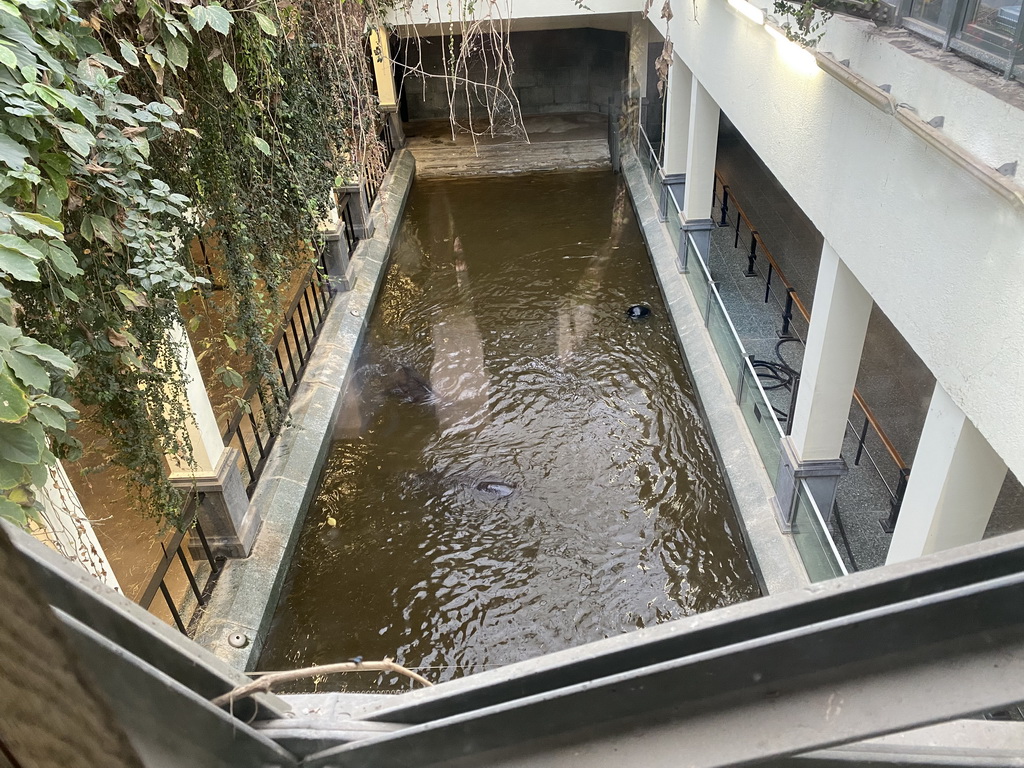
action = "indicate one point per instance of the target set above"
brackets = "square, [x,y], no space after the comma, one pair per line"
[174,550]
[793,679]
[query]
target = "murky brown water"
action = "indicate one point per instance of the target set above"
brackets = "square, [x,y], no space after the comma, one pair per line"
[509,297]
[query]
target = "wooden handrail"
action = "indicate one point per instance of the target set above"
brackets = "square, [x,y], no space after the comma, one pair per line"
[868,413]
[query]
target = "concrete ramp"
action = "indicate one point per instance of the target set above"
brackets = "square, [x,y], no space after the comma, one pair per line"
[552,143]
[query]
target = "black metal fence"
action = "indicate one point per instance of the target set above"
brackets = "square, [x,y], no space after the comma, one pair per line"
[375,174]
[173,549]
[256,422]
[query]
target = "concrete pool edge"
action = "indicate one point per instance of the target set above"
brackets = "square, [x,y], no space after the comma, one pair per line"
[776,562]
[248,589]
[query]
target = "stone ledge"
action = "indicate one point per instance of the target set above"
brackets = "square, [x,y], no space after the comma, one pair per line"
[248,590]
[775,559]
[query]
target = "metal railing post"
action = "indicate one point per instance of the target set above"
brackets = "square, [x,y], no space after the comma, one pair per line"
[725,206]
[787,315]
[889,523]
[860,441]
[768,282]
[752,256]
[794,389]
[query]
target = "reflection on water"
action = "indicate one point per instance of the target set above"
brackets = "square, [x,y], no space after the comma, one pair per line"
[540,479]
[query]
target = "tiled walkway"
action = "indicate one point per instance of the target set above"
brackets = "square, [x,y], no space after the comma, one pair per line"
[893,381]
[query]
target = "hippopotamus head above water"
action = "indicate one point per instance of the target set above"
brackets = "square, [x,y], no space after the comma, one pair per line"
[638,312]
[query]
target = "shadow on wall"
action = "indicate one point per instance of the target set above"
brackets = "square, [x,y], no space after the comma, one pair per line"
[563,70]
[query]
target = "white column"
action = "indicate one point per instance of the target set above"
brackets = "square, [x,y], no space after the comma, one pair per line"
[68,530]
[203,432]
[702,147]
[677,117]
[835,341]
[229,521]
[953,486]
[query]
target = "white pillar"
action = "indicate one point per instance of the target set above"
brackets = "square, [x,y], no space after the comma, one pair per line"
[68,530]
[229,522]
[203,432]
[835,341]
[953,486]
[832,355]
[677,117]
[702,147]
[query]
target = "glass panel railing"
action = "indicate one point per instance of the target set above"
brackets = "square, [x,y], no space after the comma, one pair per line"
[761,420]
[812,539]
[675,228]
[725,340]
[697,277]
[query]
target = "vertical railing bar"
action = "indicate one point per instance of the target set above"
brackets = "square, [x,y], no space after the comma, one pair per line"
[752,256]
[725,205]
[280,368]
[736,240]
[860,442]
[298,346]
[245,454]
[173,608]
[768,282]
[256,434]
[191,576]
[206,548]
[291,360]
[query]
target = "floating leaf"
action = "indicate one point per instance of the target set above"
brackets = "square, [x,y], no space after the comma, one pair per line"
[104,229]
[177,52]
[230,78]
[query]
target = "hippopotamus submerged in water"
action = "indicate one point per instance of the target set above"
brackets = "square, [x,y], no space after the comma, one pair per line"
[409,385]
[638,312]
[491,489]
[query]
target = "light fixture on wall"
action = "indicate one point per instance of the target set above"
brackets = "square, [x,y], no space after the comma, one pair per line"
[756,15]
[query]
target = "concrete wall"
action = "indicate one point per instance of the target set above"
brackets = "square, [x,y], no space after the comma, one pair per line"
[563,70]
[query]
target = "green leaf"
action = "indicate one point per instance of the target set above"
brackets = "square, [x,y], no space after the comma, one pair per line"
[56,402]
[198,17]
[50,418]
[104,230]
[36,223]
[230,78]
[18,443]
[13,400]
[13,512]
[48,201]
[17,265]
[265,24]
[218,18]
[261,145]
[128,52]
[27,369]
[11,475]
[177,52]
[29,346]
[80,139]
[12,154]
[107,61]
[60,257]
[7,57]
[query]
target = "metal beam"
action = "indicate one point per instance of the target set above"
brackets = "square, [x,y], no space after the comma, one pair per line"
[879,652]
